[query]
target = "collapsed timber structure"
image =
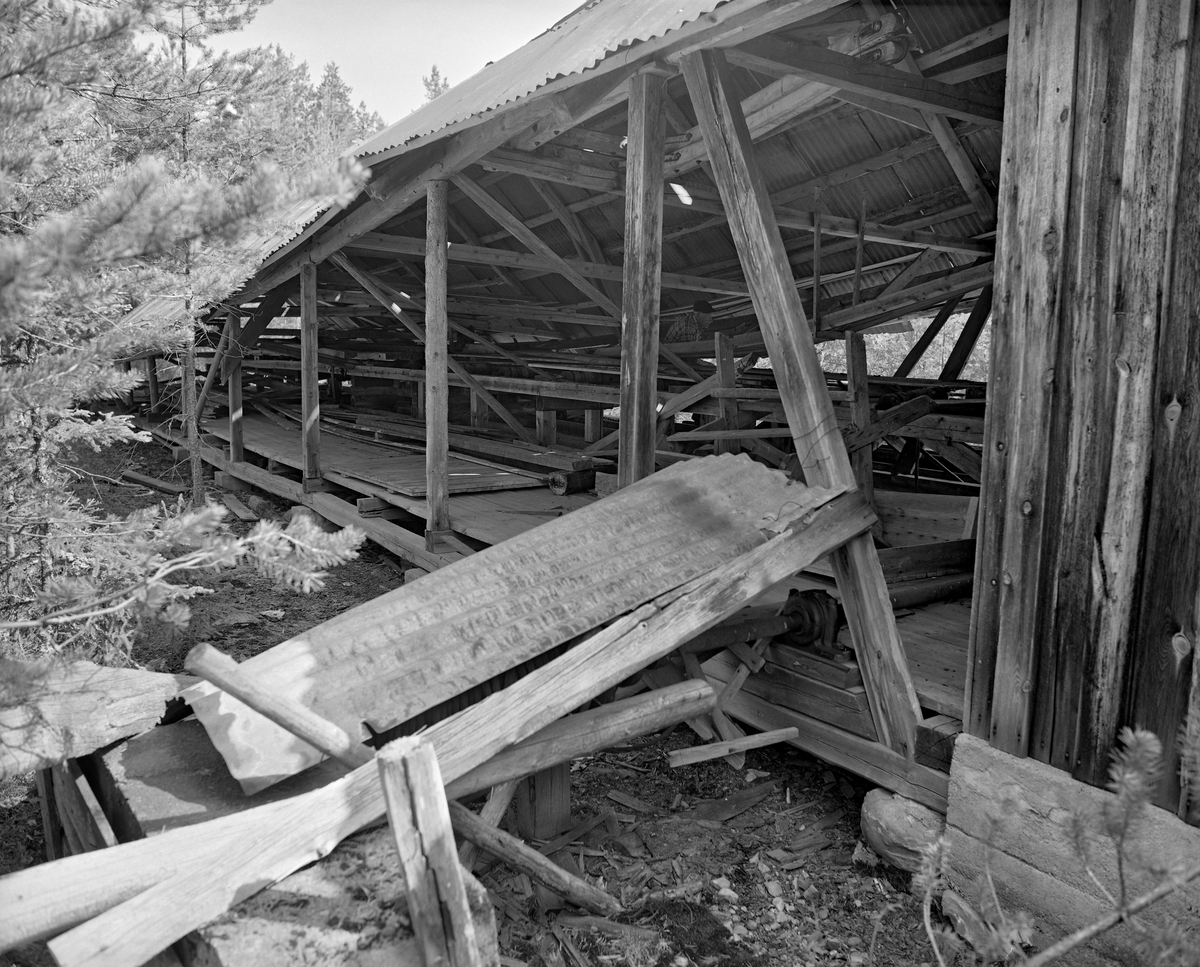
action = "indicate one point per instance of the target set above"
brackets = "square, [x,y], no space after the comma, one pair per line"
[456,360]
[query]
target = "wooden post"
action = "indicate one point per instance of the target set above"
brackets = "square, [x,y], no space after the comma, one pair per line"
[152,386]
[642,278]
[547,426]
[237,447]
[805,398]
[310,395]
[418,400]
[479,411]
[593,425]
[816,262]
[420,821]
[860,411]
[543,803]
[437,385]
[1085,611]
[727,376]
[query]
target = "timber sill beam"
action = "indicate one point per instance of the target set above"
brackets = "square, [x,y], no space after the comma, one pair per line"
[853,76]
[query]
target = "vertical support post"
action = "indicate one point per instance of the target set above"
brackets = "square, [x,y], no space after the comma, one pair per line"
[420,821]
[480,411]
[437,385]
[593,425]
[727,378]
[152,386]
[860,411]
[543,803]
[642,278]
[310,395]
[805,398]
[418,400]
[237,447]
[816,262]
[547,426]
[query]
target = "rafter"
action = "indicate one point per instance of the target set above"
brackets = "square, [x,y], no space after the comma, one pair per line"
[853,76]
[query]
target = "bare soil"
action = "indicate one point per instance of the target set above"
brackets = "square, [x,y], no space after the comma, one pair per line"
[783,882]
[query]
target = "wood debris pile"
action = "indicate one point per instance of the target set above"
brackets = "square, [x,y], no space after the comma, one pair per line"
[606,591]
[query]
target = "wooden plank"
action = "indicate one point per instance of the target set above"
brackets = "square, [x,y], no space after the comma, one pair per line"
[76,708]
[310,404]
[1149,611]
[727,376]
[237,508]
[926,338]
[715,750]
[886,423]
[810,414]
[853,753]
[420,820]
[437,390]
[245,852]
[963,45]
[642,282]
[426,635]
[165,486]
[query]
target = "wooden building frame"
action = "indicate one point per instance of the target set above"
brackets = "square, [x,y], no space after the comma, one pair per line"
[574,209]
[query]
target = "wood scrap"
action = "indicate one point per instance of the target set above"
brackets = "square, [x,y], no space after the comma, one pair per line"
[529,861]
[498,800]
[53,711]
[237,508]
[610,928]
[157,890]
[165,486]
[684,757]
[722,810]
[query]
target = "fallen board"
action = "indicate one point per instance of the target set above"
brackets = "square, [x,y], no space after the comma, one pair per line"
[385,661]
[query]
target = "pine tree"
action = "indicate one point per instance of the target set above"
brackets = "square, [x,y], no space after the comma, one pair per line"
[116,181]
[435,84]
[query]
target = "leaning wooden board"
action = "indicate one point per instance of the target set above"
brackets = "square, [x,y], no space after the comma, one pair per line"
[157,890]
[389,659]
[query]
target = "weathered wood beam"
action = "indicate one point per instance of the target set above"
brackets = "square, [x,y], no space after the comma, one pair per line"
[310,405]
[437,387]
[964,45]
[237,448]
[962,350]
[727,379]
[956,155]
[872,313]
[853,76]
[921,346]
[642,279]
[377,242]
[810,413]
[512,224]
[404,182]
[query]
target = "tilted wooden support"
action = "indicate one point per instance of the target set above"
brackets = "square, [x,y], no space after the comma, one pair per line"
[802,384]
[420,821]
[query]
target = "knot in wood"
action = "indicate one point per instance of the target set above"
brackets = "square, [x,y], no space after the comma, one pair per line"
[1027,508]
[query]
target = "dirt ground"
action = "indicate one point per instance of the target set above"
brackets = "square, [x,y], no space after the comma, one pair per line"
[759,866]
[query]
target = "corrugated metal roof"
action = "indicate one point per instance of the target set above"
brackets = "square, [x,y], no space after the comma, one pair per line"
[577,42]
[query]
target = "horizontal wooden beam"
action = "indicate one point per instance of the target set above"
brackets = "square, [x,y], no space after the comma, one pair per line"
[378,242]
[964,45]
[854,76]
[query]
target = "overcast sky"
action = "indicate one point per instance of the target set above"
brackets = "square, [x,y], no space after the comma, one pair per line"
[384,47]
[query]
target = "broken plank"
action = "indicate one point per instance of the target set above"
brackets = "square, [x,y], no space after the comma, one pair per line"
[166,486]
[713,750]
[239,510]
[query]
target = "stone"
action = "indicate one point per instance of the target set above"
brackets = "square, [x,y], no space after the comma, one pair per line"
[899,829]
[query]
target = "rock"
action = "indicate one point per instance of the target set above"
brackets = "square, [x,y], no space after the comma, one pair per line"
[412,573]
[898,829]
[260,505]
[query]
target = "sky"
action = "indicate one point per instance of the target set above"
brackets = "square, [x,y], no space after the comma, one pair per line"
[384,47]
